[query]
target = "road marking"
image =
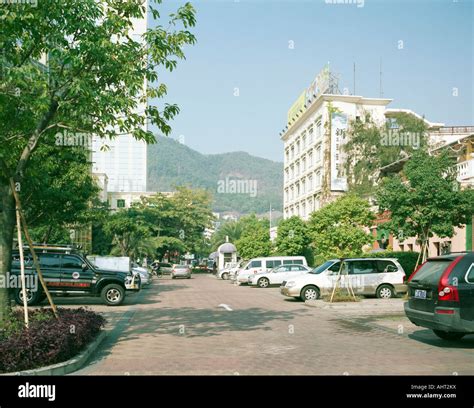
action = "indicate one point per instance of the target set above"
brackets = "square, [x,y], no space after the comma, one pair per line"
[226,307]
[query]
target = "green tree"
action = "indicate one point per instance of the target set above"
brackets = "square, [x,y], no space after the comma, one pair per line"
[255,238]
[92,82]
[338,229]
[293,237]
[425,199]
[371,146]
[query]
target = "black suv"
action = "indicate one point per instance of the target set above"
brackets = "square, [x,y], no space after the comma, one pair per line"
[441,295]
[67,271]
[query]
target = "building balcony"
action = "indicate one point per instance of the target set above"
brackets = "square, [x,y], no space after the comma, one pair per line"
[465,171]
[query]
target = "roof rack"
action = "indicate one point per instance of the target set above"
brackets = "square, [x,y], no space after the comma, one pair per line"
[54,247]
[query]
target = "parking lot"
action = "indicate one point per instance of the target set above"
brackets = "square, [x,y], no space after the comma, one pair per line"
[208,326]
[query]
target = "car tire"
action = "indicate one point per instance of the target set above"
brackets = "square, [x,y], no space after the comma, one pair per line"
[310,293]
[449,335]
[225,276]
[33,297]
[113,294]
[385,292]
[263,283]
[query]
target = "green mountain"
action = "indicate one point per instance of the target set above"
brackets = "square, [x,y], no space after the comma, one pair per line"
[238,181]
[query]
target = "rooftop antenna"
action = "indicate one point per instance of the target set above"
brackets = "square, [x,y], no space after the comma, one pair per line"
[380,84]
[354,91]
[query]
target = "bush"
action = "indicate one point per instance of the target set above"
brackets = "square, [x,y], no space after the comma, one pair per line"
[406,259]
[48,340]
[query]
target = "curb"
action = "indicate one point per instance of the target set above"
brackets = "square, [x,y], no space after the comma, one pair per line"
[66,367]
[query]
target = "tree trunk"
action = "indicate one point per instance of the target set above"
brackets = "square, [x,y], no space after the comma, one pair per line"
[7,226]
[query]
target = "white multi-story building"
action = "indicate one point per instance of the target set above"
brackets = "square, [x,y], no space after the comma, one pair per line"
[124,161]
[313,140]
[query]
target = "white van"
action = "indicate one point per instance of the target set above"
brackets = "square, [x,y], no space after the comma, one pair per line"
[259,265]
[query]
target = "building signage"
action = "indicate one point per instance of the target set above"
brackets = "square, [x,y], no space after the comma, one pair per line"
[319,86]
[339,123]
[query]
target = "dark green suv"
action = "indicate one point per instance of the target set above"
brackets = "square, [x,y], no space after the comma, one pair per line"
[67,271]
[441,295]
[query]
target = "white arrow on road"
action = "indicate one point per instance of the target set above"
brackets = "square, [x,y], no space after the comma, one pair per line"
[226,307]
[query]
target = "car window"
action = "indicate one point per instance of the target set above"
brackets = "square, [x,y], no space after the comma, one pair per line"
[296,268]
[386,266]
[270,264]
[335,267]
[256,264]
[298,261]
[16,261]
[363,267]
[470,274]
[276,263]
[71,262]
[431,271]
[51,261]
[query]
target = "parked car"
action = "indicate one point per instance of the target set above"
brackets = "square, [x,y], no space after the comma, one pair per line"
[441,295]
[383,277]
[260,265]
[164,268]
[67,271]
[277,275]
[229,270]
[143,272]
[181,271]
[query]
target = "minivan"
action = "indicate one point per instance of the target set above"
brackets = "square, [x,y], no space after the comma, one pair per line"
[441,295]
[264,264]
[382,277]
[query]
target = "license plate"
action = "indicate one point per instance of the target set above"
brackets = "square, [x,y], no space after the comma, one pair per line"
[420,294]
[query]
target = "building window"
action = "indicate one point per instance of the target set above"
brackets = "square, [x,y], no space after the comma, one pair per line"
[310,159]
[318,154]
[318,129]
[120,203]
[310,135]
[303,138]
[317,179]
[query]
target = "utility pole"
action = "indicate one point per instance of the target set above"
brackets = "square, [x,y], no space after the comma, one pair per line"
[354,91]
[380,84]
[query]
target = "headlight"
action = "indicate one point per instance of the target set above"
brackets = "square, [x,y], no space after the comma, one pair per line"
[290,284]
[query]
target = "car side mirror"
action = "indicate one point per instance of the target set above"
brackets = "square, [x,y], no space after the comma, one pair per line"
[85,267]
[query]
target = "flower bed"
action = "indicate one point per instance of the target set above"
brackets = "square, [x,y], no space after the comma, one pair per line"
[48,340]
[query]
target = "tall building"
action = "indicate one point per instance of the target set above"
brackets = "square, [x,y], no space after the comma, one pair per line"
[313,139]
[124,161]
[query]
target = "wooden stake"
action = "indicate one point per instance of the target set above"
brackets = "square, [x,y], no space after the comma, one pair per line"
[32,250]
[22,268]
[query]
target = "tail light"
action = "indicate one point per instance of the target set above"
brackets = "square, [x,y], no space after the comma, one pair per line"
[446,291]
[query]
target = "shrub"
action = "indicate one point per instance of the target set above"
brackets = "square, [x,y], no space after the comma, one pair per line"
[48,340]
[406,259]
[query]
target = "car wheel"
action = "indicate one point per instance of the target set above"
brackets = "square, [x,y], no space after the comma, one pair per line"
[449,335]
[310,293]
[113,294]
[263,283]
[32,297]
[385,292]
[225,276]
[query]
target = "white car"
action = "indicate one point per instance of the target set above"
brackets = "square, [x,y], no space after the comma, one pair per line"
[383,277]
[277,275]
[265,264]
[144,274]
[229,271]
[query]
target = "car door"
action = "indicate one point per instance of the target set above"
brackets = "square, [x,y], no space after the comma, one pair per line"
[50,266]
[466,295]
[363,276]
[279,275]
[76,276]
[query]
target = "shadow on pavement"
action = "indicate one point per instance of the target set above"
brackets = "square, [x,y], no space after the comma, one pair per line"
[428,337]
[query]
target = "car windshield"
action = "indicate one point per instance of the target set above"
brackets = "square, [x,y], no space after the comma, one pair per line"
[322,267]
[181,266]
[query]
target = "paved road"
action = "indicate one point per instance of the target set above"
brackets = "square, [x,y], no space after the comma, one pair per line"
[177,327]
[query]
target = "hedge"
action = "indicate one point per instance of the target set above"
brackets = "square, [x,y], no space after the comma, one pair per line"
[48,340]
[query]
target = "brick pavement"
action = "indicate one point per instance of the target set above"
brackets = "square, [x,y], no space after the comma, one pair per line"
[176,327]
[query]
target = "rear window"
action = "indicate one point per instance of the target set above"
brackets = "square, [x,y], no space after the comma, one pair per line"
[431,271]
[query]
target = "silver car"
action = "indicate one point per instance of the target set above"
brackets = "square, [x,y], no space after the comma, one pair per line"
[181,271]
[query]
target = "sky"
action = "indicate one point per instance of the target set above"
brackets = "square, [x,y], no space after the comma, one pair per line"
[253,58]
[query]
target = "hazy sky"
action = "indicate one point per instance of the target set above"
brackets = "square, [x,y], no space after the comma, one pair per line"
[272,50]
